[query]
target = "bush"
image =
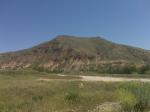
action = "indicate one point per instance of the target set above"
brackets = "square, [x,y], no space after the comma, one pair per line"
[46,70]
[37,98]
[72,97]
[143,69]
[126,69]
[127,99]
[38,68]
[142,94]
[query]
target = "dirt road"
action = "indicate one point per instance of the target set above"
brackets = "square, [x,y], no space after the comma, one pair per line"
[112,79]
[97,78]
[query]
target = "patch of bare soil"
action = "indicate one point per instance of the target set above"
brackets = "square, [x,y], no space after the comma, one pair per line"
[112,79]
[107,107]
[95,78]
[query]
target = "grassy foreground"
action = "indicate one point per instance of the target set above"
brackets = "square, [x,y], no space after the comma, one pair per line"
[22,92]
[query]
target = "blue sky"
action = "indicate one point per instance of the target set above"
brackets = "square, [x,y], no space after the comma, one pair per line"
[25,23]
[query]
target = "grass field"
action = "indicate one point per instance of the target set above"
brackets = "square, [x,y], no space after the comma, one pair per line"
[22,92]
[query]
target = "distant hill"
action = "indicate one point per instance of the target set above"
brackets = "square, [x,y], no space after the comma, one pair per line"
[69,54]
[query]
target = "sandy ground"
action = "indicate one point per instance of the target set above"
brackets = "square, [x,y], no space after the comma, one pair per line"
[112,79]
[98,78]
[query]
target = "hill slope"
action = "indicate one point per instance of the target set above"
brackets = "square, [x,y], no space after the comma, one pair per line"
[69,53]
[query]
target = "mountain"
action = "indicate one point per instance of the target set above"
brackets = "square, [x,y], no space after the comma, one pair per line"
[69,53]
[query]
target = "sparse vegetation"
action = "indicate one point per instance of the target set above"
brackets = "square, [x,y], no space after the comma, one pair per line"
[118,69]
[24,93]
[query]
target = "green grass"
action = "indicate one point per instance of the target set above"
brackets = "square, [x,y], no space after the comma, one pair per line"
[21,92]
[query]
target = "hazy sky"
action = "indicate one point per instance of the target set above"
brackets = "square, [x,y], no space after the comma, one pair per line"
[25,23]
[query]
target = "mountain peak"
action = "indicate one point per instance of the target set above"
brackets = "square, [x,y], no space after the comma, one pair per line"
[76,37]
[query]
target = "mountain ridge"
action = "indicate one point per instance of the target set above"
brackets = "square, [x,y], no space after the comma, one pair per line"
[83,37]
[72,53]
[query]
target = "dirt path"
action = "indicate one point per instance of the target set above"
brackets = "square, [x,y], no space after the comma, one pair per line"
[97,78]
[112,79]
[50,79]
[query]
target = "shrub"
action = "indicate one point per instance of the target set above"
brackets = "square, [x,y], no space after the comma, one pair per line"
[46,70]
[38,68]
[117,69]
[141,91]
[143,69]
[37,98]
[127,99]
[72,97]
[142,94]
